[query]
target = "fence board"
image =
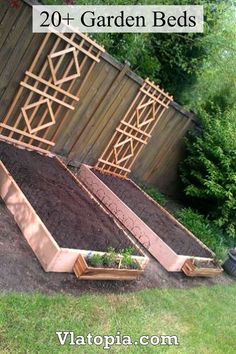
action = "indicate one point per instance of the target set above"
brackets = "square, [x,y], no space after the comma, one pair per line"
[8,16]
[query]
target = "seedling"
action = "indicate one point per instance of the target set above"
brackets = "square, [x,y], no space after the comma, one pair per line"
[110,258]
[95,260]
[127,260]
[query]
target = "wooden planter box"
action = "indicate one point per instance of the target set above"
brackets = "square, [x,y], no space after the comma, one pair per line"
[168,257]
[191,270]
[51,256]
[83,271]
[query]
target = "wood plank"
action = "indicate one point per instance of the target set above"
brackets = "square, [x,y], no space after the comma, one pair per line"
[131,136]
[77,46]
[4,5]
[44,94]
[13,36]
[72,87]
[36,234]
[105,124]
[95,123]
[150,155]
[43,70]
[157,87]
[18,131]
[54,70]
[114,165]
[8,89]
[154,98]
[16,57]
[136,129]
[89,99]
[91,41]
[49,84]
[8,20]
[130,116]
[191,270]
[24,145]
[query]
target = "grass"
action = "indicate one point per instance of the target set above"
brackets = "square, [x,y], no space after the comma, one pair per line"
[204,319]
[199,225]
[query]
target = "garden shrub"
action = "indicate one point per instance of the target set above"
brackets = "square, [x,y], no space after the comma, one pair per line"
[209,171]
[205,230]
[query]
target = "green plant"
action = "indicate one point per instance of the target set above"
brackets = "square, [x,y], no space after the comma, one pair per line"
[96,260]
[154,194]
[205,230]
[109,258]
[209,171]
[127,260]
[203,314]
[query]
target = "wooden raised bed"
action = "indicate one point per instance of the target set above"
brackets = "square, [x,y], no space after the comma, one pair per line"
[57,215]
[83,271]
[157,230]
[201,269]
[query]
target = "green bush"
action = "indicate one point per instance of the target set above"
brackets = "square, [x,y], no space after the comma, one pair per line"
[209,171]
[109,258]
[95,260]
[127,260]
[205,230]
[155,194]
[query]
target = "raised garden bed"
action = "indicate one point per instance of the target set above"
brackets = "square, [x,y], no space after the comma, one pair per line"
[57,215]
[160,233]
[199,268]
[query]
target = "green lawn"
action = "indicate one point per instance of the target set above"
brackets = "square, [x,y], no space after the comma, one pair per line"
[204,319]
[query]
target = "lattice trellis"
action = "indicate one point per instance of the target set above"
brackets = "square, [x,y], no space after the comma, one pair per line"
[50,90]
[134,130]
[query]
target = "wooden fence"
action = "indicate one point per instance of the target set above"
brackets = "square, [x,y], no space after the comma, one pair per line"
[104,99]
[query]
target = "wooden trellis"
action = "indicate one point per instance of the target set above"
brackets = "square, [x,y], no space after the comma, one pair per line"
[49,90]
[134,130]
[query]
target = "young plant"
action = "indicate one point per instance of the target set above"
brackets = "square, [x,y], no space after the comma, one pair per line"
[154,194]
[109,258]
[127,260]
[95,260]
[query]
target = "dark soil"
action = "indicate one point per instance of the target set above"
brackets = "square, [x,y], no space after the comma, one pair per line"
[71,216]
[20,271]
[168,230]
[204,264]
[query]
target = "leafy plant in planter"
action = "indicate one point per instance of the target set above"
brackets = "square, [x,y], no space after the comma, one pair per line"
[112,259]
[95,260]
[127,260]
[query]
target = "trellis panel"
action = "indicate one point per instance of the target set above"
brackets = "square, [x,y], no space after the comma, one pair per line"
[50,88]
[134,130]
